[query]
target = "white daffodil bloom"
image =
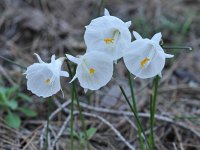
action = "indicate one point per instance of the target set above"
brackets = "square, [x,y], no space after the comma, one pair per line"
[43,79]
[94,70]
[145,58]
[108,34]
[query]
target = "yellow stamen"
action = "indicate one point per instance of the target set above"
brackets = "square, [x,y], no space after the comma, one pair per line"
[108,40]
[144,62]
[47,81]
[92,71]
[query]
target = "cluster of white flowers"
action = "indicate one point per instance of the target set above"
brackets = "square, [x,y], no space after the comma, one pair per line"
[107,39]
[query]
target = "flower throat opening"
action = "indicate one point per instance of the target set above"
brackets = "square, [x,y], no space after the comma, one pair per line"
[47,81]
[113,39]
[92,71]
[144,62]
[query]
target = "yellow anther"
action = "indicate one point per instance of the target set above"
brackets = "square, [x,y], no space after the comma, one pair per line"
[92,71]
[47,81]
[108,40]
[144,62]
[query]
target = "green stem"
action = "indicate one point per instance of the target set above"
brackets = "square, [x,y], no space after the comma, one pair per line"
[78,104]
[12,62]
[71,110]
[100,7]
[151,136]
[82,119]
[152,111]
[72,119]
[136,117]
[47,128]
[177,47]
[135,109]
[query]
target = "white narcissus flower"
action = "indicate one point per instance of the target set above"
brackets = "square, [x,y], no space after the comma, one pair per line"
[108,34]
[94,70]
[145,58]
[43,79]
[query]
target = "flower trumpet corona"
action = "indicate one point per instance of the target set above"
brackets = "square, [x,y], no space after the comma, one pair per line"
[108,34]
[145,58]
[43,79]
[94,70]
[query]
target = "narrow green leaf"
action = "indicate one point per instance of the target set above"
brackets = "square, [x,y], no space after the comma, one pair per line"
[11,91]
[81,137]
[25,97]
[28,112]
[13,120]
[91,132]
[3,90]
[11,104]
[3,96]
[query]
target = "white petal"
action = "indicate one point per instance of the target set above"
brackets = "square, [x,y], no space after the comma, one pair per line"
[103,67]
[38,74]
[137,35]
[53,58]
[36,82]
[155,66]
[105,27]
[157,37]
[39,59]
[168,55]
[55,67]
[160,74]
[74,78]
[128,24]
[36,67]
[85,90]
[139,50]
[73,59]
[64,74]
[106,12]
[56,86]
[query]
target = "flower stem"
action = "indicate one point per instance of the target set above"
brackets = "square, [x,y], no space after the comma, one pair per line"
[136,117]
[152,111]
[72,119]
[100,7]
[71,110]
[177,47]
[47,128]
[82,119]
[75,95]
[135,108]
